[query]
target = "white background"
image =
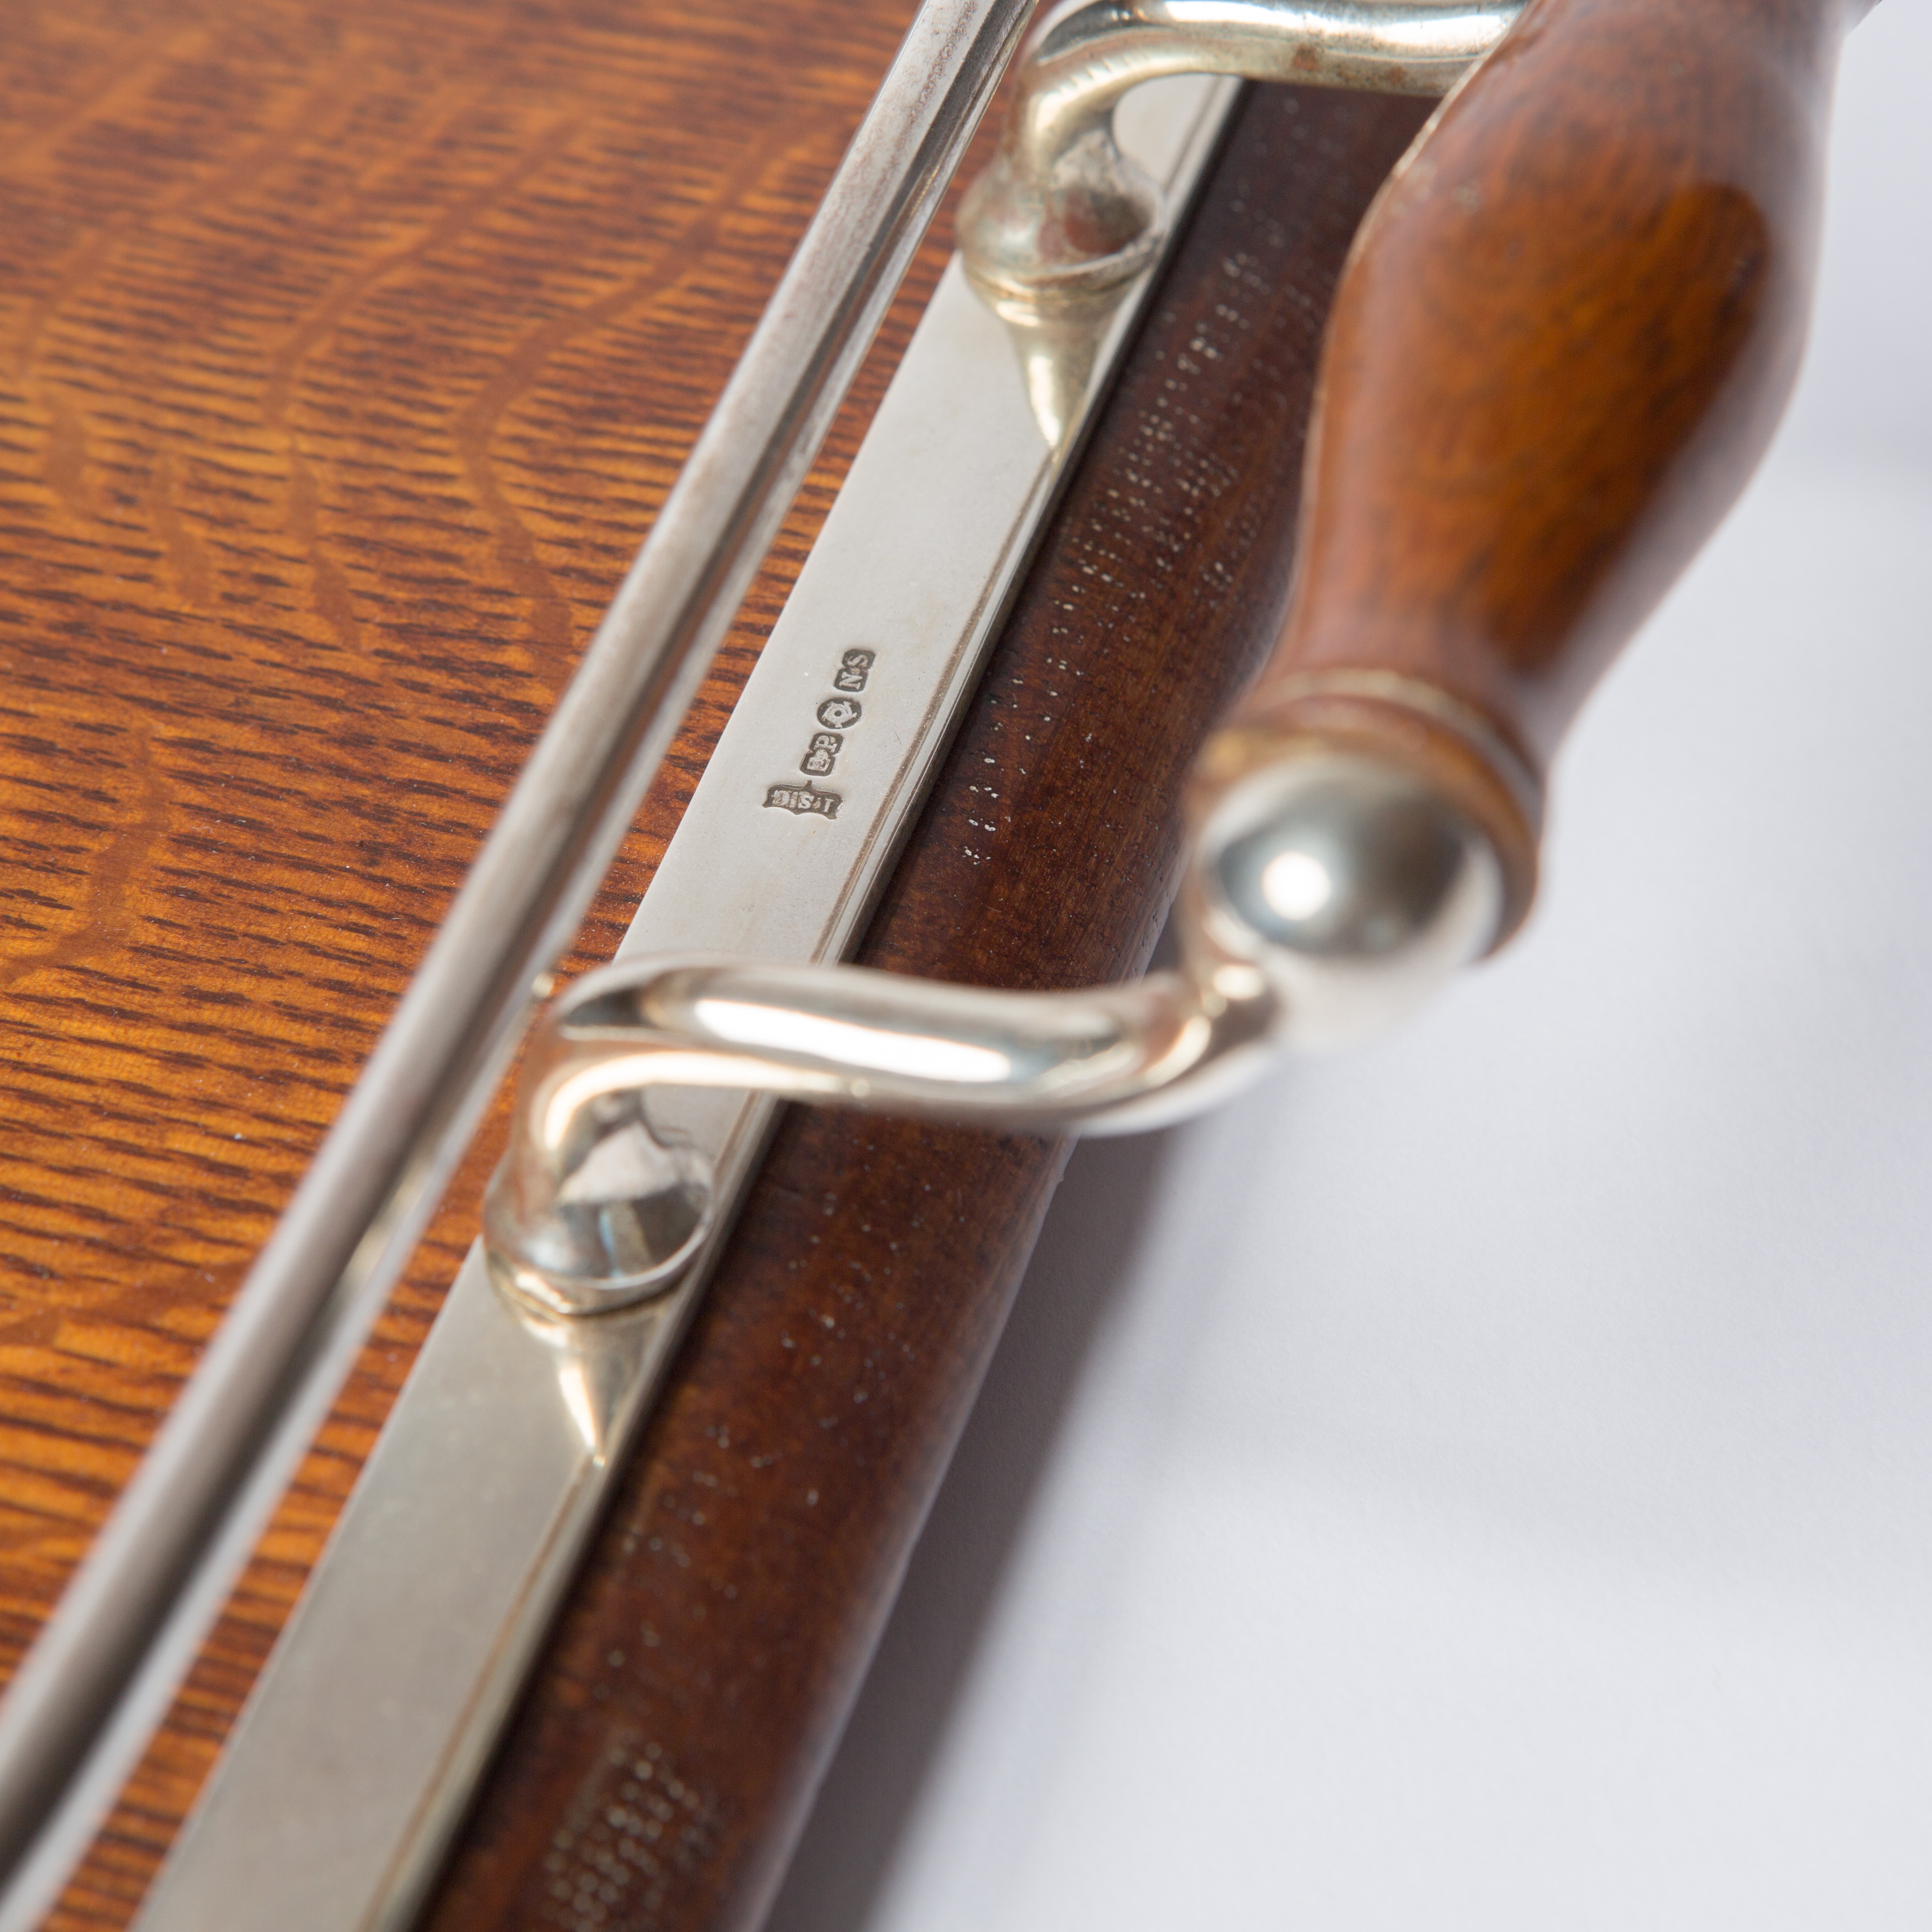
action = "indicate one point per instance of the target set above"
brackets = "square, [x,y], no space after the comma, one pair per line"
[1486,1481]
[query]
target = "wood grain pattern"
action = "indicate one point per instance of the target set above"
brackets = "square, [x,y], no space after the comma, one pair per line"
[345,350]
[348,349]
[663,1763]
[1570,327]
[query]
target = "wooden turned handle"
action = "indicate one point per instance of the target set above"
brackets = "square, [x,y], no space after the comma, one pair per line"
[1564,335]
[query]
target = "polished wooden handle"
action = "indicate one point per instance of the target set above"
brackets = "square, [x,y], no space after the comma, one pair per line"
[1564,335]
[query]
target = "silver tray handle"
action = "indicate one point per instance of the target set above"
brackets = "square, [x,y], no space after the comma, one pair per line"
[1328,896]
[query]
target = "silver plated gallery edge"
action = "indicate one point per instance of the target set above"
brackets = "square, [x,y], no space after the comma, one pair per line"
[350,1764]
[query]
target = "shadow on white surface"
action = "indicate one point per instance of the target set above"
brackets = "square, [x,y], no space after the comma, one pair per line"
[937,1626]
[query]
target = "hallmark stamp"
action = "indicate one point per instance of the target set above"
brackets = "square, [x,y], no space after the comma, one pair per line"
[821,754]
[853,669]
[804,800]
[837,715]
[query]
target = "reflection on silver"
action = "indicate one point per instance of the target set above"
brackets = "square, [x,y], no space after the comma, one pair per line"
[1061,216]
[1355,888]
[1330,895]
[597,1372]
[1059,350]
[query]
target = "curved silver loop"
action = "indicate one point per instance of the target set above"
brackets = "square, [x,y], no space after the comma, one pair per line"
[1330,894]
[593,1203]
[1059,213]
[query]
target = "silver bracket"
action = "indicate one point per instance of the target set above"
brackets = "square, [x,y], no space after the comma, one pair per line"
[1061,215]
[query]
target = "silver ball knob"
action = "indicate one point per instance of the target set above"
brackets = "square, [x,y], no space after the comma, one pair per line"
[1354,886]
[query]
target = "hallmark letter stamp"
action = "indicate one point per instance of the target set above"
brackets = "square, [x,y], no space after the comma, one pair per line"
[854,668]
[822,754]
[803,800]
